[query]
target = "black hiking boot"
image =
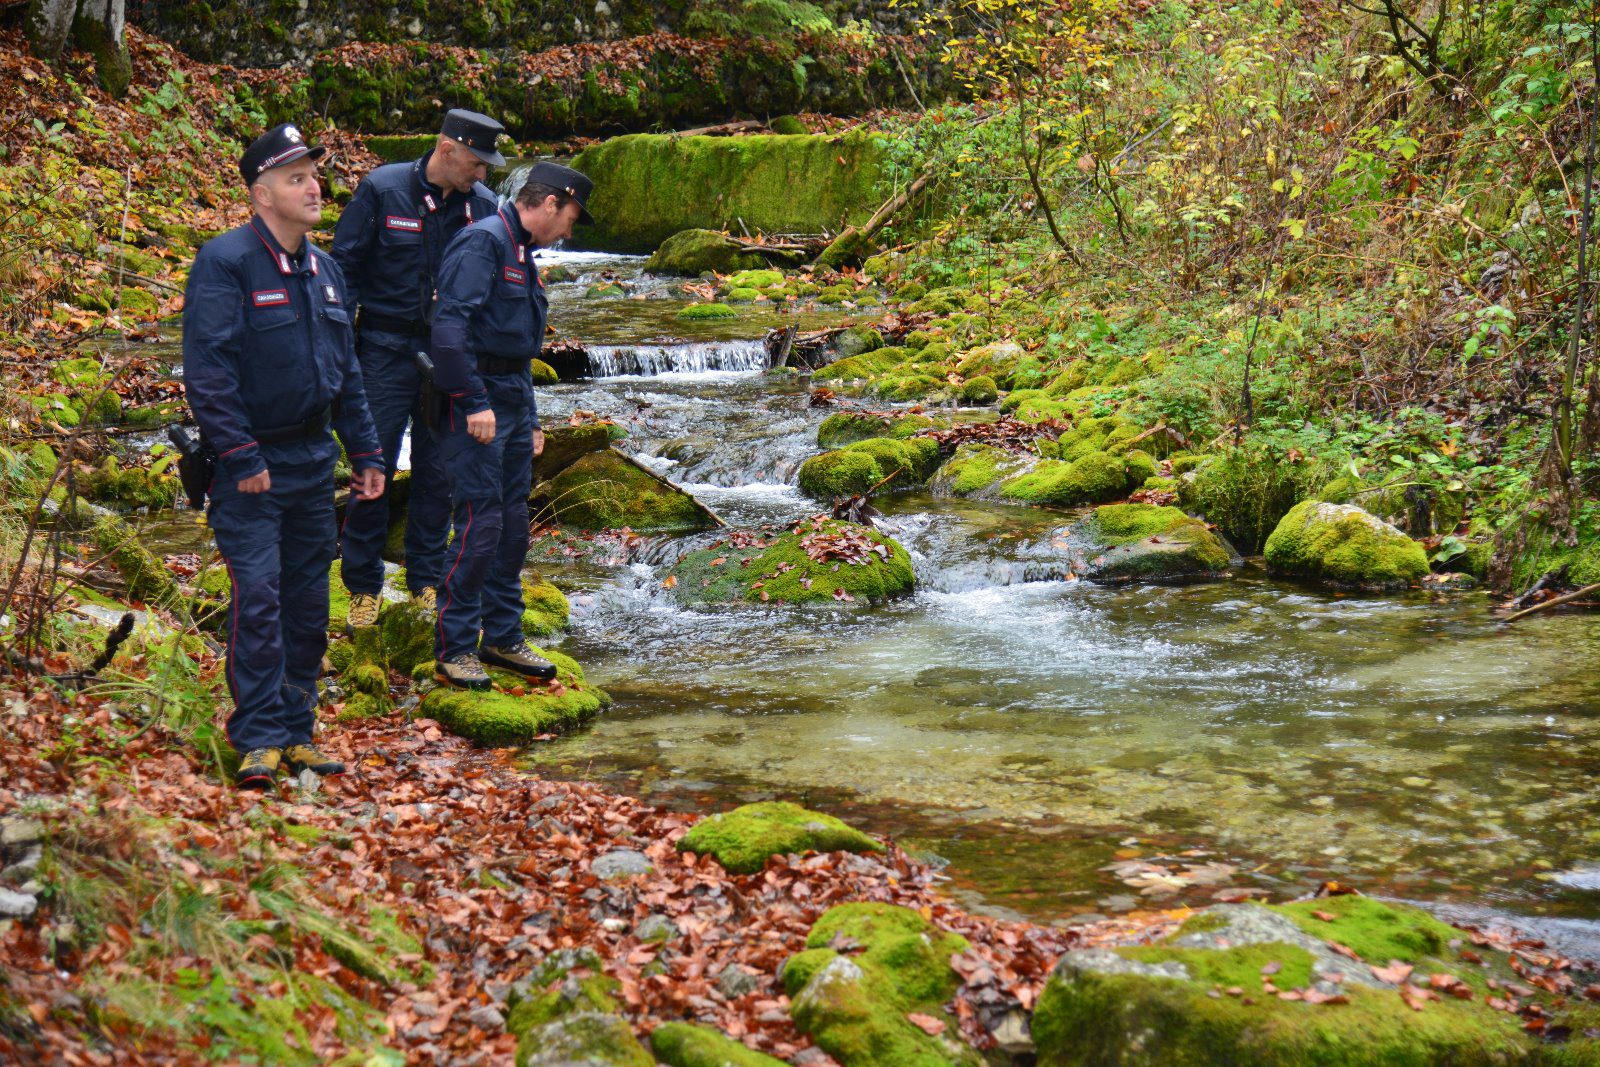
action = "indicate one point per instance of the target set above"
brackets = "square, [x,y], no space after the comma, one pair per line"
[521,658]
[308,757]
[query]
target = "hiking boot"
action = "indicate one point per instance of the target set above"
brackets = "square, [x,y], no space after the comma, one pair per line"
[464,671]
[259,768]
[521,658]
[426,598]
[308,757]
[363,610]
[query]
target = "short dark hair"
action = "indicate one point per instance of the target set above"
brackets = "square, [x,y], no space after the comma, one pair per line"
[532,194]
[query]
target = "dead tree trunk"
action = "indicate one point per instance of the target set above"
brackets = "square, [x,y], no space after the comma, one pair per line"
[95,26]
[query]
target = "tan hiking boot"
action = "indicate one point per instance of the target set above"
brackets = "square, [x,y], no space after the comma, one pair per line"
[308,757]
[464,671]
[521,658]
[426,598]
[259,768]
[363,610]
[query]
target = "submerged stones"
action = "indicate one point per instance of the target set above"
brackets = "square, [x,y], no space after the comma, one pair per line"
[821,560]
[855,1006]
[1319,982]
[742,839]
[1143,542]
[1345,546]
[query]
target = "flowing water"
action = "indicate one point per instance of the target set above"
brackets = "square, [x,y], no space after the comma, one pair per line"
[1026,728]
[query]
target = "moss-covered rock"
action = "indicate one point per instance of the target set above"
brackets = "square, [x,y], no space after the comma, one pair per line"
[543,373]
[565,445]
[689,1045]
[820,561]
[847,427]
[843,473]
[855,1006]
[856,340]
[742,839]
[1214,993]
[1142,542]
[501,717]
[978,470]
[1344,546]
[609,491]
[707,311]
[862,366]
[130,486]
[583,1039]
[742,296]
[545,608]
[1092,479]
[695,251]
[977,391]
[565,982]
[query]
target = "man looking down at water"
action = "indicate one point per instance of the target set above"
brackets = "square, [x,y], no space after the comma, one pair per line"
[488,328]
[269,364]
[390,241]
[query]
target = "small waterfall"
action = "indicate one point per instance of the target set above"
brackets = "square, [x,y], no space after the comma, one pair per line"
[696,357]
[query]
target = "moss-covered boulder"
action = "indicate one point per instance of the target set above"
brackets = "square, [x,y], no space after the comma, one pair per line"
[707,311]
[1263,985]
[650,187]
[742,839]
[693,252]
[688,1045]
[610,491]
[978,470]
[1143,542]
[847,427]
[543,373]
[583,1039]
[546,609]
[864,465]
[565,445]
[856,340]
[820,561]
[517,710]
[1091,479]
[855,1004]
[131,486]
[1344,546]
[564,983]
[865,366]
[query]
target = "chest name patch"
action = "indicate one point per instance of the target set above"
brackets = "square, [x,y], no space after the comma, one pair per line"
[512,274]
[398,222]
[266,298]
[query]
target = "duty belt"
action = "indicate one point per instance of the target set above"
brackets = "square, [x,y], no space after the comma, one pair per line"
[296,431]
[496,365]
[371,320]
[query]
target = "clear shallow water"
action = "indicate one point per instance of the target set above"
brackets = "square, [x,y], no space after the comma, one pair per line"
[1025,728]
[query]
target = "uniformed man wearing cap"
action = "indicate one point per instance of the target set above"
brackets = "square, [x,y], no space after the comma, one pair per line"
[269,365]
[489,326]
[390,240]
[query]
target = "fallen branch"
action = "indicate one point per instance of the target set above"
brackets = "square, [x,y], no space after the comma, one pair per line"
[1553,602]
[854,237]
[722,129]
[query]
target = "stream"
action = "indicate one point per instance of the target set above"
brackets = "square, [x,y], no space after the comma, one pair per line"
[1029,731]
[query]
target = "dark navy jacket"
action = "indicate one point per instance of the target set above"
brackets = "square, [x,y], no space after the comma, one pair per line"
[393,233]
[267,342]
[490,304]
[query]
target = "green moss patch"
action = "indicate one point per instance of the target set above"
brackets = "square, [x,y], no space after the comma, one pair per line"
[1129,542]
[608,491]
[546,609]
[707,311]
[500,717]
[695,251]
[977,470]
[820,561]
[854,1004]
[864,465]
[742,839]
[1345,546]
[1092,479]
[565,982]
[688,1045]
[847,427]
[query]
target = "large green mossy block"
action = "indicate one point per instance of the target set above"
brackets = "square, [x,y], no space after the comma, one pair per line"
[649,187]
[1143,542]
[742,839]
[688,1045]
[609,491]
[1170,1003]
[498,718]
[854,1004]
[1344,546]
[785,571]
[891,463]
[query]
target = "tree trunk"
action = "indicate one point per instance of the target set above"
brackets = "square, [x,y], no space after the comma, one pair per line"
[95,26]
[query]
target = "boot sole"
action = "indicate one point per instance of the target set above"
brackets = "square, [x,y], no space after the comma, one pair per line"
[539,674]
[334,772]
[260,783]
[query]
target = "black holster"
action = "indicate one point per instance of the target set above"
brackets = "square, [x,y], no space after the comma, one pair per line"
[435,403]
[197,464]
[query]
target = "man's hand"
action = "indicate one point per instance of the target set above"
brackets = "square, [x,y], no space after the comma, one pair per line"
[256,483]
[367,483]
[481,426]
[538,442]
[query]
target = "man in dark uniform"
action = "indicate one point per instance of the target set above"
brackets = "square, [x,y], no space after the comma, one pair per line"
[390,240]
[268,365]
[489,326]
